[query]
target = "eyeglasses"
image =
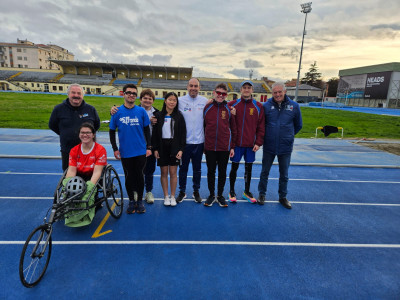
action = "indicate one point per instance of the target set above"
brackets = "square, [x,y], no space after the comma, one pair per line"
[223,94]
[85,133]
[131,94]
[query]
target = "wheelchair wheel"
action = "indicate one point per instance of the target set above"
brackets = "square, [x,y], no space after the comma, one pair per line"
[113,194]
[35,256]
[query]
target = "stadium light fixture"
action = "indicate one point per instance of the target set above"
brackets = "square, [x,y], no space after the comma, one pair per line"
[305,8]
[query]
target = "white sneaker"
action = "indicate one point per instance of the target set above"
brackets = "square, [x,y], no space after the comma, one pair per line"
[149,197]
[173,201]
[167,201]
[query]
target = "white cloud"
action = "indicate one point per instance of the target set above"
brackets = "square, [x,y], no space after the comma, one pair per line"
[216,38]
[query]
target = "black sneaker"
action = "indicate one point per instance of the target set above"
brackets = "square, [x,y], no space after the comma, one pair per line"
[180,197]
[140,209]
[261,199]
[197,198]
[131,207]
[221,201]
[210,200]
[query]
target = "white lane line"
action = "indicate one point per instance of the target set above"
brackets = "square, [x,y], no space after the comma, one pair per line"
[222,243]
[239,178]
[273,202]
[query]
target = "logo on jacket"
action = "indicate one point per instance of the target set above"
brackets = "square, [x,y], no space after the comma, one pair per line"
[289,107]
[251,110]
[84,115]
[223,115]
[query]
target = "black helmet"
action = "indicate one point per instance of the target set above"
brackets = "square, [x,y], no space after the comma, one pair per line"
[75,185]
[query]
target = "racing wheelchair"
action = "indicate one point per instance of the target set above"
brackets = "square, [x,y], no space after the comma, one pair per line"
[67,203]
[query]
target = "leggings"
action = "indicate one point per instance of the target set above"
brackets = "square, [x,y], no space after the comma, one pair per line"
[134,179]
[214,159]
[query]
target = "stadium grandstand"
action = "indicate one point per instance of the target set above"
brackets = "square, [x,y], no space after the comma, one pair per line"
[109,78]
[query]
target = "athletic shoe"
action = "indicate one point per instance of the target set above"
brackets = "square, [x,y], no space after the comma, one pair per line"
[197,198]
[181,196]
[173,200]
[131,207]
[261,199]
[140,209]
[210,200]
[149,197]
[249,197]
[221,201]
[167,201]
[232,197]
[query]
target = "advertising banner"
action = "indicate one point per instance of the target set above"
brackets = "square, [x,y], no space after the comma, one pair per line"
[351,86]
[377,85]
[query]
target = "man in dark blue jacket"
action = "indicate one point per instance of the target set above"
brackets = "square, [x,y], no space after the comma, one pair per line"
[282,121]
[66,118]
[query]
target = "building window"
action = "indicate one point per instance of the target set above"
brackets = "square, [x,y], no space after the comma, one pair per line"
[25,58]
[60,88]
[33,85]
[179,94]
[26,66]
[24,50]
[156,93]
[19,57]
[18,50]
[54,88]
[37,84]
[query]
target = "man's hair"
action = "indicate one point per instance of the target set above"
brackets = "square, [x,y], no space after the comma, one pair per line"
[75,85]
[129,86]
[196,79]
[147,92]
[221,86]
[278,84]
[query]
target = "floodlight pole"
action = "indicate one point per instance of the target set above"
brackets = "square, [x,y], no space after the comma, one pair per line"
[306,8]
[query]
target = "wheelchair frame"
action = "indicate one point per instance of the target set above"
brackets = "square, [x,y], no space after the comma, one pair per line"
[34,260]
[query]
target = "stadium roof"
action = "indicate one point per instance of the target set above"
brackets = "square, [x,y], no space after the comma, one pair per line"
[304,87]
[393,66]
[73,63]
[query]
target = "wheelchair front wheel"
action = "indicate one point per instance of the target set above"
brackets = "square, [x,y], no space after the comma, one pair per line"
[114,196]
[35,256]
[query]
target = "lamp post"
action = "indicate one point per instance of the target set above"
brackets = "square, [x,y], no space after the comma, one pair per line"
[305,8]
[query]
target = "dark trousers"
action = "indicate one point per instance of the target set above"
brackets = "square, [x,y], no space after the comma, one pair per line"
[284,163]
[149,172]
[65,159]
[214,159]
[194,153]
[134,179]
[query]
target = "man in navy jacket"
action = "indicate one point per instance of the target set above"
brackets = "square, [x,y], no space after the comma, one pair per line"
[68,116]
[282,122]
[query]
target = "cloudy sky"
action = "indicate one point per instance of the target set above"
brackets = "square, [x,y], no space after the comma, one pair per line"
[217,38]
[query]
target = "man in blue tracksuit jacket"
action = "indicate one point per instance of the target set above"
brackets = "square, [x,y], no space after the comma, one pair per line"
[282,122]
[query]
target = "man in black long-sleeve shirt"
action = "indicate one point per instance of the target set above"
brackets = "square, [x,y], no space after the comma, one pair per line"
[68,116]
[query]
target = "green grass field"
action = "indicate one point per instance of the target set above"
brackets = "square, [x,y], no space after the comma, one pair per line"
[32,111]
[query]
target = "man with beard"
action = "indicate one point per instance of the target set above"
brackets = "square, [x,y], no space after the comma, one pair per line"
[192,106]
[68,116]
